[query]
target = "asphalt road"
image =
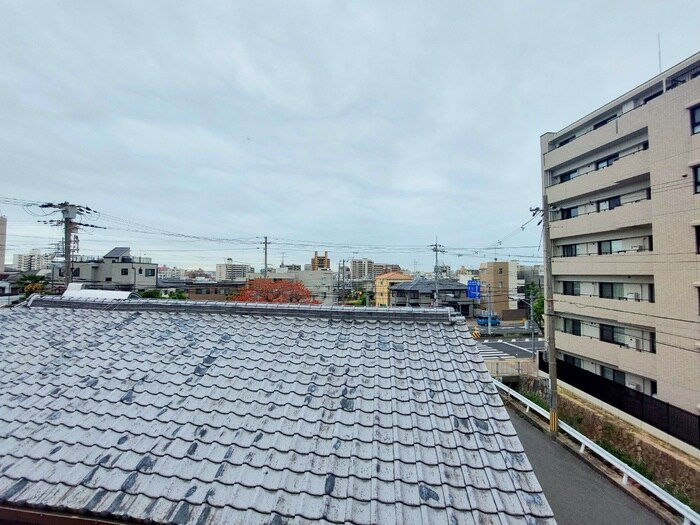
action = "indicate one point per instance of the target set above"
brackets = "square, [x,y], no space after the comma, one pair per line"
[504,347]
[576,492]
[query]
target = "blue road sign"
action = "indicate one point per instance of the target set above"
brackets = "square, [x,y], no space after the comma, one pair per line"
[474,289]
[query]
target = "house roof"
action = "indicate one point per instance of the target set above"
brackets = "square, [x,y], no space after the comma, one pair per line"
[117,252]
[428,285]
[394,275]
[219,413]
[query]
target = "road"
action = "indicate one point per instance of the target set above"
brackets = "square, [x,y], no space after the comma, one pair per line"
[576,492]
[503,347]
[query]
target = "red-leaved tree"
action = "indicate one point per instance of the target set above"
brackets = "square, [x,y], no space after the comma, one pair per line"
[269,291]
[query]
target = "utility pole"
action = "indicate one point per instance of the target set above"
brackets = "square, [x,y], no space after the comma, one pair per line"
[265,248]
[488,314]
[437,248]
[69,212]
[550,344]
[532,327]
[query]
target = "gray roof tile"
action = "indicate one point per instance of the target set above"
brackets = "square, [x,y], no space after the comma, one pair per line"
[219,413]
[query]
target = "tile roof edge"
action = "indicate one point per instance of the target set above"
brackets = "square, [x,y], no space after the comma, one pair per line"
[426,315]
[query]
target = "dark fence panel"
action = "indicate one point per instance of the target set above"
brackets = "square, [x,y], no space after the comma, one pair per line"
[675,421]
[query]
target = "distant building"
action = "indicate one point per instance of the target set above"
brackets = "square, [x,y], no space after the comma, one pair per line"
[421,293]
[212,291]
[230,271]
[291,267]
[383,283]
[117,270]
[500,280]
[382,268]
[165,272]
[34,260]
[320,262]
[361,269]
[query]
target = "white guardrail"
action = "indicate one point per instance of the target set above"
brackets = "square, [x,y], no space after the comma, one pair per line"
[690,517]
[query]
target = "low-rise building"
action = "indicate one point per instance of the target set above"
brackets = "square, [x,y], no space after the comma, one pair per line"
[383,283]
[421,293]
[116,270]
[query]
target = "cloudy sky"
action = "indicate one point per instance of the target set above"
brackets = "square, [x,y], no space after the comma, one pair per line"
[361,128]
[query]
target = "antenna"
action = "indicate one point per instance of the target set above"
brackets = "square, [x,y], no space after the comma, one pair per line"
[658,35]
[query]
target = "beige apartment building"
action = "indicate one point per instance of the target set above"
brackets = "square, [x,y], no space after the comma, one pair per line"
[383,284]
[500,279]
[623,185]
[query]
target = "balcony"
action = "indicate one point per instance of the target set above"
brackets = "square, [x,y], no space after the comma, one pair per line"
[629,263]
[625,216]
[620,311]
[631,123]
[623,169]
[625,358]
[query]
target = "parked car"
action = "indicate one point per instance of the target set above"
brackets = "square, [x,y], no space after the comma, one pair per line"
[483,320]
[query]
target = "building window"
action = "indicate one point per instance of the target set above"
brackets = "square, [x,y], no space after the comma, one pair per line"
[140,271]
[572,360]
[150,272]
[569,213]
[695,119]
[572,326]
[572,288]
[696,178]
[500,270]
[564,177]
[652,342]
[607,161]
[652,293]
[569,250]
[611,290]
[76,272]
[108,279]
[413,295]
[612,374]
[604,247]
[125,271]
[609,204]
[612,334]
[603,122]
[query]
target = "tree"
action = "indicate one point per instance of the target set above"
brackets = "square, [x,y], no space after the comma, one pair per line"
[269,291]
[31,283]
[532,290]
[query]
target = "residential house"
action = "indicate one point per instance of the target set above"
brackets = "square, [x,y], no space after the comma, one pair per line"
[421,293]
[117,270]
[383,283]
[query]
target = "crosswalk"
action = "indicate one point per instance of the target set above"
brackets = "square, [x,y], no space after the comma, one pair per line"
[491,353]
[526,340]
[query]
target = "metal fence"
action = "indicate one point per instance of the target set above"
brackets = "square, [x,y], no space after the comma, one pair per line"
[674,421]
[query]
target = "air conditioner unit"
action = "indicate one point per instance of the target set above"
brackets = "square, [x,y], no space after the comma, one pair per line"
[633,296]
[635,386]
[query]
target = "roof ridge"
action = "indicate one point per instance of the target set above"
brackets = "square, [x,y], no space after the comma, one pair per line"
[434,315]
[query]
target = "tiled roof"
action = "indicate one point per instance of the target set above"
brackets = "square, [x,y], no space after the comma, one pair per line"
[428,285]
[205,413]
[117,252]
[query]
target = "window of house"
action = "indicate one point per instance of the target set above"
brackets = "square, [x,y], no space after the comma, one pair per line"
[413,295]
[572,287]
[140,271]
[607,161]
[612,374]
[604,247]
[569,250]
[696,178]
[609,204]
[612,334]
[695,119]
[76,272]
[572,326]
[569,213]
[150,272]
[500,270]
[125,271]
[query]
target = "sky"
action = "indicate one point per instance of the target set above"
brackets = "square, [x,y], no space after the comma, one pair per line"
[364,128]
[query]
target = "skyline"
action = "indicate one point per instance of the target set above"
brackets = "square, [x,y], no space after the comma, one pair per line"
[369,126]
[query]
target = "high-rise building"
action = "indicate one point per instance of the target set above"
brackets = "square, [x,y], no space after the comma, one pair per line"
[230,271]
[320,262]
[362,269]
[34,260]
[623,185]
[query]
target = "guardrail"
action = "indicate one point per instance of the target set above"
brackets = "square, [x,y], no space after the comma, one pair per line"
[690,517]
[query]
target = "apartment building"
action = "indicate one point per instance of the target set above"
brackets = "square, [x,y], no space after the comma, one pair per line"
[623,187]
[383,284]
[34,260]
[362,269]
[320,262]
[500,280]
[231,271]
